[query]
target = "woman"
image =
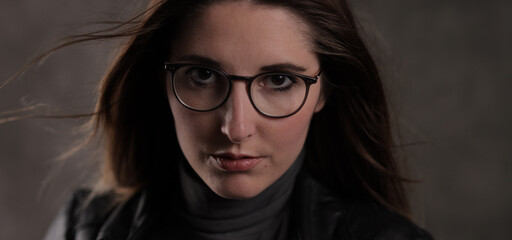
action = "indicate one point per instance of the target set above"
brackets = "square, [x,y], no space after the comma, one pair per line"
[243,120]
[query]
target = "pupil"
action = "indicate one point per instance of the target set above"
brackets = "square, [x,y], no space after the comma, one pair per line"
[278,79]
[204,74]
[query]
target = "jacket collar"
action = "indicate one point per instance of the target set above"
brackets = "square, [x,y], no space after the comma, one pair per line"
[317,210]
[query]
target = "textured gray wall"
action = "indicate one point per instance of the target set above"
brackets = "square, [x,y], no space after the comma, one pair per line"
[447,64]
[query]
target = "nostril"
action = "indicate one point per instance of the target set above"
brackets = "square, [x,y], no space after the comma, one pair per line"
[236,127]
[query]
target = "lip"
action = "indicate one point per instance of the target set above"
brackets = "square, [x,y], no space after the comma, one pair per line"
[232,162]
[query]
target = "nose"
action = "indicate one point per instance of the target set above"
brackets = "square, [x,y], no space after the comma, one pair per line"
[239,115]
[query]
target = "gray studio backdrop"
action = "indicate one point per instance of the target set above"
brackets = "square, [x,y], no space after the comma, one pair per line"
[447,66]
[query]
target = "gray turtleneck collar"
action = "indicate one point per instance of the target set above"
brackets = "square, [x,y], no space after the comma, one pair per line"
[211,217]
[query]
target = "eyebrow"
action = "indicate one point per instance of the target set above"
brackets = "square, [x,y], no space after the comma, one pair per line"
[283,66]
[268,68]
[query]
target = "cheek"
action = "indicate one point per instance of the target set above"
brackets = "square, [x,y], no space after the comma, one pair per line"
[298,124]
[192,128]
[291,132]
[288,137]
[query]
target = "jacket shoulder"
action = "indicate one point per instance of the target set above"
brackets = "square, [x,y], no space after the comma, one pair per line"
[325,215]
[82,216]
[368,220]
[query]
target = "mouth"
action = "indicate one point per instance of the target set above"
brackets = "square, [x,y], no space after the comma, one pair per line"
[236,162]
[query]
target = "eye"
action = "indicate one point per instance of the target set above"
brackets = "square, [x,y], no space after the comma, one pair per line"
[279,82]
[202,74]
[197,76]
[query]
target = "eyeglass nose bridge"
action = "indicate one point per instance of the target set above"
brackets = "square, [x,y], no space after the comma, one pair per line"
[247,80]
[242,78]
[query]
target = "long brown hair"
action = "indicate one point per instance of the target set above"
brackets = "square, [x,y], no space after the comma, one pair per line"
[349,144]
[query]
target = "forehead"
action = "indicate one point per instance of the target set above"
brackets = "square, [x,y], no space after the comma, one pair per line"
[237,34]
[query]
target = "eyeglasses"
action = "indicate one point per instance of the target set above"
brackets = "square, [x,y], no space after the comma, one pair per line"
[273,94]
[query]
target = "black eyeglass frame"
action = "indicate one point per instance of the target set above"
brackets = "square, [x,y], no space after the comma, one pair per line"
[308,80]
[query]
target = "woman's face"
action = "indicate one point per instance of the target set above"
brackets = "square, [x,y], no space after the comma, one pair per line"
[235,150]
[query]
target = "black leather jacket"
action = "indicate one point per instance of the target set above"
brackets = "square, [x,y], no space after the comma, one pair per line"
[318,215]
